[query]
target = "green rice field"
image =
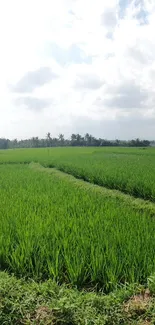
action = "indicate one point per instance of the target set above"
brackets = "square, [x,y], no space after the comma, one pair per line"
[81,216]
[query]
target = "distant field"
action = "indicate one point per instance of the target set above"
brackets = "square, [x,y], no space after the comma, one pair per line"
[130,170]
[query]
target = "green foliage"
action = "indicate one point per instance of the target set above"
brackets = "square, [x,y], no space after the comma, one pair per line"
[75,140]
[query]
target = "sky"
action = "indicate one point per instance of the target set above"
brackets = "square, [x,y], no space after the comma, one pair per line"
[77,66]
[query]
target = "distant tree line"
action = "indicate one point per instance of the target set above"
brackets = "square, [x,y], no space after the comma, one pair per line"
[75,140]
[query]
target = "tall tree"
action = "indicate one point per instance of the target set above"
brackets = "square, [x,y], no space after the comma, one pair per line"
[61,139]
[48,137]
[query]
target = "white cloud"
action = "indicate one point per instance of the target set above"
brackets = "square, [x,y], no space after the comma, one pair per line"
[34,79]
[90,65]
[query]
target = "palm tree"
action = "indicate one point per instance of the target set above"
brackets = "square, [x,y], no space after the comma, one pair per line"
[88,138]
[48,137]
[61,138]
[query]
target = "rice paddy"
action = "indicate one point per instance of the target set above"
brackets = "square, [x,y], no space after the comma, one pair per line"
[54,225]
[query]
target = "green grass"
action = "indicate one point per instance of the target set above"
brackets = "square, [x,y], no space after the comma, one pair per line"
[31,303]
[53,226]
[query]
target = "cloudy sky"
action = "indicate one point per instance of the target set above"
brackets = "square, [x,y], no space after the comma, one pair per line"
[77,66]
